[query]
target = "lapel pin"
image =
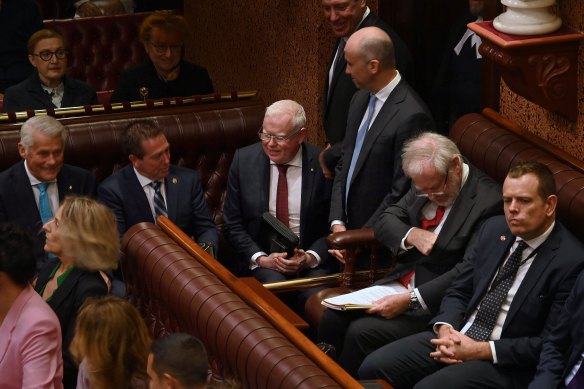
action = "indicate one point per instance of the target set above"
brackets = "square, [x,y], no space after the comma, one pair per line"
[174,180]
[503,238]
[311,169]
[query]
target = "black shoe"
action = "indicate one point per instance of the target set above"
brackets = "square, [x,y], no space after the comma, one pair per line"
[328,349]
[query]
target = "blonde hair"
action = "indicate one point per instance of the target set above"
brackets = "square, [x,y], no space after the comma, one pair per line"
[111,337]
[89,234]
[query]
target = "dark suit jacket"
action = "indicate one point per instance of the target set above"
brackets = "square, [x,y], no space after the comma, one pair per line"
[185,202]
[342,89]
[378,171]
[537,304]
[248,198]
[563,348]
[66,301]
[192,80]
[479,199]
[17,203]
[30,95]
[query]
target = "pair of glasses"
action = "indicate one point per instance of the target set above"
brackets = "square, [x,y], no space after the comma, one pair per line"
[163,49]
[276,138]
[442,193]
[46,55]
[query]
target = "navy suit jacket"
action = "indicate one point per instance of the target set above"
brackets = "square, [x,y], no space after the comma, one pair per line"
[18,205]
[248,198]
[478,200]
[66,301]
[378,171]
[185,202]
[338,97]
[30,95]
[563,348]
[537,304]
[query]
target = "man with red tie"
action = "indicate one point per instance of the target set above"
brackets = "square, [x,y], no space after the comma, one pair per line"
[281,175]
[428,230]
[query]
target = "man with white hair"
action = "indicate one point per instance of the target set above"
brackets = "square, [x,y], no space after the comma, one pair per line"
[31,190]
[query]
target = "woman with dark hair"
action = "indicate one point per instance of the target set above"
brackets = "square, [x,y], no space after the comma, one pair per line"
[30,335]
[84,237]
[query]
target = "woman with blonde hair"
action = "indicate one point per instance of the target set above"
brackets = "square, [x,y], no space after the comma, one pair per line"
[84,237]
[112,344]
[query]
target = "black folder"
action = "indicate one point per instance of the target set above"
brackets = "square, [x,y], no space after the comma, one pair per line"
[279,237]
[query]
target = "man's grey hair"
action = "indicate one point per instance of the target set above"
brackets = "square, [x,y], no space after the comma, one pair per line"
[46,125]
[288,107]
[428,148]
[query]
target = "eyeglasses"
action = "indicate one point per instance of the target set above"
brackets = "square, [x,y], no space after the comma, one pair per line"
[163,49]
[46,55]
[276,138]
[433,194]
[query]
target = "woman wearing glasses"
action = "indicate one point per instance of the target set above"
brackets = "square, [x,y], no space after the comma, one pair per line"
[84,238]
[48,87]
[164,73]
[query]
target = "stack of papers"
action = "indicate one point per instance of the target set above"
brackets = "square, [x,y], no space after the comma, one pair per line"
[363,299]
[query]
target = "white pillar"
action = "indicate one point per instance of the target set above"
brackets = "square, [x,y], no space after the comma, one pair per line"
[527,17]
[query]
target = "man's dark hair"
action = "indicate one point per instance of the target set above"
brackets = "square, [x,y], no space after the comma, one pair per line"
[136,132]
[183,357]
[547,184]
[17,258]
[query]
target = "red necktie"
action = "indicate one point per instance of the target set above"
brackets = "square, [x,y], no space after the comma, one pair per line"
[424,224]
[282,195]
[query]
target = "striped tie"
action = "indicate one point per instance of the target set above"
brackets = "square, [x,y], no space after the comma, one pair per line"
[159,205]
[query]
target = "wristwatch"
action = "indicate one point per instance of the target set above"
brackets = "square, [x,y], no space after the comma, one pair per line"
[414,302]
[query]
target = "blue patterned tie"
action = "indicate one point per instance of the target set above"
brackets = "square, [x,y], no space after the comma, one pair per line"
[44,203]
[159,205]
[358,144]
[490,307]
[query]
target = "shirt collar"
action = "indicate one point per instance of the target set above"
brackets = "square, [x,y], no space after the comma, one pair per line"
[144,181]
[296,161]
[33,180]
[384,93]
[538,241]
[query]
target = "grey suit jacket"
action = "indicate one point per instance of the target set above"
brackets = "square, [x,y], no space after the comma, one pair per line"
[18,205]
[479,199]
[248,198]
[378,171]
[185,202]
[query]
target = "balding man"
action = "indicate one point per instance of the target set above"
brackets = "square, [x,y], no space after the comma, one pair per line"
[382,116]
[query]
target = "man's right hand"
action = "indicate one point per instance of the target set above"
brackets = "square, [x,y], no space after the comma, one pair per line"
[338,254]
[270,261]
[325,170]
[421,239]
[88,9]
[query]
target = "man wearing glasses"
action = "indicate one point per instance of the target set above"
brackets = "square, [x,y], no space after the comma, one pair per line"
[48,87]
[428,230]
[164,73]
[254,186]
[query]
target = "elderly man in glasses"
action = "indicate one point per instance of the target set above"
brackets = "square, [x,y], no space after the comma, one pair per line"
[48,87]
[280,175]
[164,73]
[428,230]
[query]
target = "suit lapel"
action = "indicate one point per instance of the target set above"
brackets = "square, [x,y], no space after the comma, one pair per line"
[172,185]
[24,195]
[62,293]
[544,257]
[389,109]
[307,193]
[135,195]
[264,181]
[38,93]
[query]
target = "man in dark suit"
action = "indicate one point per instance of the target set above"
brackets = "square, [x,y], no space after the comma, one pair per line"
[150,186]
[505,301]
[41,146]
[560,361]
[456,198]
[382,116]
[48,87]
[344,17]
[252,189]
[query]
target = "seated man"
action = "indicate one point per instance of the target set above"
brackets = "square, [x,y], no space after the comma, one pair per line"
[560,361]
[255,186]
[506,299]
[31,190]
[150,186]
[164,73]
[48,86]
[428,230]
[177,361]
